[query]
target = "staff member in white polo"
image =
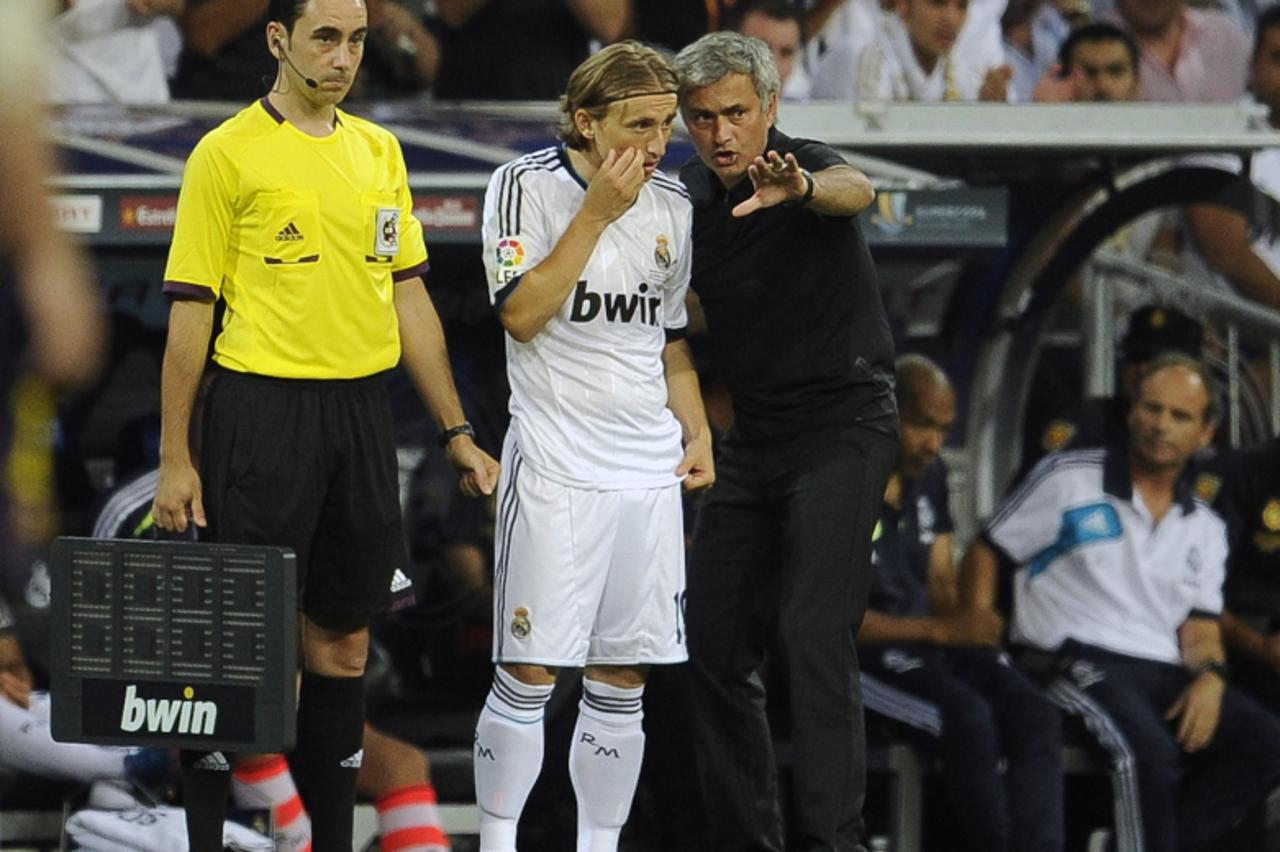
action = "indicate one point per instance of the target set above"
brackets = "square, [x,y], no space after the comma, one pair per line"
[1120,576]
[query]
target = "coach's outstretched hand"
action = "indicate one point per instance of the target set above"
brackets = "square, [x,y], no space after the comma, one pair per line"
[615,185]
[477,470]
[178,498]
[777,180]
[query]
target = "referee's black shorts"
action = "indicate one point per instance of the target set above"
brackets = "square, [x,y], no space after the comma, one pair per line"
[310,465]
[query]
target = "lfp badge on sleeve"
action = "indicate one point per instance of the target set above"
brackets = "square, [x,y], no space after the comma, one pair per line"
[386,241]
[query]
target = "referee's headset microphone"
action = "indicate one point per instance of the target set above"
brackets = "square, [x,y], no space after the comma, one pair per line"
[285,56]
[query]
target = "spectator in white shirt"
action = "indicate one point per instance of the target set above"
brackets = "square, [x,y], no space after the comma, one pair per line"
[912,57]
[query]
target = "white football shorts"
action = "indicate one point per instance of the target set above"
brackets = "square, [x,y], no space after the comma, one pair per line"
[584,576]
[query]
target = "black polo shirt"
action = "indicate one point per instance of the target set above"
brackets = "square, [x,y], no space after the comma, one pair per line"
[902,542]
[1244,486]
[797,328]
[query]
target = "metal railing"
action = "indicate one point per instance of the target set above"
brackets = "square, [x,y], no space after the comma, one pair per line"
[1112,279]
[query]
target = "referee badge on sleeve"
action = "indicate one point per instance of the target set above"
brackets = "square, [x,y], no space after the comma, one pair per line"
[386,240]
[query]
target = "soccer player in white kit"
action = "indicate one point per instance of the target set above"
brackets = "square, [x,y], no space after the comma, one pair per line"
[587,250]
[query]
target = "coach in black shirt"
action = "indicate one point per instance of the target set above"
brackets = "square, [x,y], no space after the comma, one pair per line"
[783,541]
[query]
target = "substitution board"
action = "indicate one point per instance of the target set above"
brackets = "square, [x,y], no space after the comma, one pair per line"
[173,644]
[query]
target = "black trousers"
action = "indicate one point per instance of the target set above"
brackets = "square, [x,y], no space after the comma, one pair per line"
[989,710]
[783,541]
[1185,801]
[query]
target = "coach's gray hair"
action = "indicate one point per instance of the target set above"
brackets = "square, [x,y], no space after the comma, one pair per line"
[715,56]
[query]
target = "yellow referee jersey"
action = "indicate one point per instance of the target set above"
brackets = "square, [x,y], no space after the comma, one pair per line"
[304,237]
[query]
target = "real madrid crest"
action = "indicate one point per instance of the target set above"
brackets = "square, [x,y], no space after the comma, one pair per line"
[662,253]
[520,624]
[1271,515]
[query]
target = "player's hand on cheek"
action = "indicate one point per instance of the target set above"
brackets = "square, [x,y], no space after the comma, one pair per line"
[615,185]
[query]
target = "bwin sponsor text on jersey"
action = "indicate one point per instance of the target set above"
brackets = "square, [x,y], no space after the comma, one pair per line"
[617,307]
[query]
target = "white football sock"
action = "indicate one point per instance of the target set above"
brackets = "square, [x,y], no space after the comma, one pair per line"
[604,761]
[508,757]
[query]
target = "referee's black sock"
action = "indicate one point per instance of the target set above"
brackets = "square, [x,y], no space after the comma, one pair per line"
[328,756]
[206,780]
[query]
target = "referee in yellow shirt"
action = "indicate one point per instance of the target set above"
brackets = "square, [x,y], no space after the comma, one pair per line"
[299,216]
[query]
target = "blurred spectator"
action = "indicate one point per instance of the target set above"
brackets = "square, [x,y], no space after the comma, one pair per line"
[779,24]
[979,42]
[1248,259]
[402,56]
[519,49]
[1117,598]
[1098,62]
[672,24]
[916,638]
[224,51]
[1034,31]
[1059,419]
[820,13]
[50,319]
[51,309]
[1188,55]
[912,56]
[108,51]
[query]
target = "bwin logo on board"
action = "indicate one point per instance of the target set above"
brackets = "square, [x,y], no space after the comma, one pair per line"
[168,715]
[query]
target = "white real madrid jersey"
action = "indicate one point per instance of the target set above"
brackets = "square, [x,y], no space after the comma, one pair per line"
[588,392]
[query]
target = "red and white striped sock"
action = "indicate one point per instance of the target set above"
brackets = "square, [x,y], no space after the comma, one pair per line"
[409,820]
[268,783]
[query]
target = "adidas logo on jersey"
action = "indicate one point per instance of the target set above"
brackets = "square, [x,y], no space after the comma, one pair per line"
[1096,523]
[354,761]
[617,307]
[289,234]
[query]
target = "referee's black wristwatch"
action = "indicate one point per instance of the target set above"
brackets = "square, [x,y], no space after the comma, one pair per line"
[464,428]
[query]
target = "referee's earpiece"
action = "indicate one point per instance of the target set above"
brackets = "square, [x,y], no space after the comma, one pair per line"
[279,46]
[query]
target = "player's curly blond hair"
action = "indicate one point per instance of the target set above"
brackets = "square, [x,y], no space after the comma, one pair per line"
[623,70]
